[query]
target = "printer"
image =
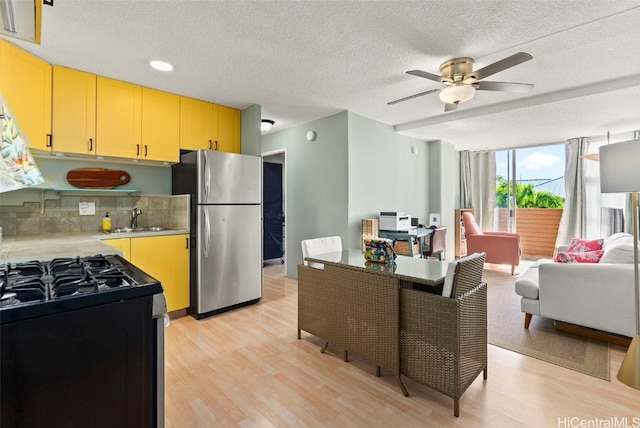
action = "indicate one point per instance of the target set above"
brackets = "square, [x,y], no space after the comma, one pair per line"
[394,222]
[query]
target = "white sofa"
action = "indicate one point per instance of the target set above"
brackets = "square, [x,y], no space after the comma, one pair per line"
[595,295]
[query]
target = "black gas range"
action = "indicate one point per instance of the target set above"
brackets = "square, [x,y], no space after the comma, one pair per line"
[88,329]
[35,288]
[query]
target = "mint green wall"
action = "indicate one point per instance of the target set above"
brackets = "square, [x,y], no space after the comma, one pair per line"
[250,138]
[316,182]
[150,180]
[354,169]
[387,172]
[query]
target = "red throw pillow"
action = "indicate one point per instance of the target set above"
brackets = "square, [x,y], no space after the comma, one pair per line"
[586,257]
[578,245]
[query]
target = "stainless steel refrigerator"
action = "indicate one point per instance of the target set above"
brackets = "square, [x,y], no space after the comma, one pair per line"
[226,228]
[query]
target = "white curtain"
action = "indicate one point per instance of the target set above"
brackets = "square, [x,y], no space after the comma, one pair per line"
[478,185]
[573,221]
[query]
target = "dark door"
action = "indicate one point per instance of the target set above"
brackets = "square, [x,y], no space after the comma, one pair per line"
[272,211]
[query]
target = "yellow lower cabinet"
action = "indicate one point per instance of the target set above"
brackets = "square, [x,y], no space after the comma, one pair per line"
[121,244]
[166,258]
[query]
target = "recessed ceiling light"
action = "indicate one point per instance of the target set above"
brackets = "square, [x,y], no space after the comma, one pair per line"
[161,65]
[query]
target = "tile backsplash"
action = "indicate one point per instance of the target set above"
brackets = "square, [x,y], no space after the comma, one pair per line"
[62,215]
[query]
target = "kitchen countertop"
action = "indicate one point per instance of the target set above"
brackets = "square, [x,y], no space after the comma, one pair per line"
[51,245]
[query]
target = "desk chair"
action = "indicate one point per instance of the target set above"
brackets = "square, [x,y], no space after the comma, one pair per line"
[437,242]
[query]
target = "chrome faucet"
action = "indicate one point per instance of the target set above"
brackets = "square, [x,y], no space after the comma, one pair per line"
[134,217]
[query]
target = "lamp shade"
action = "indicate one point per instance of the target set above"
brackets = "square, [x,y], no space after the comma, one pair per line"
[619,167]
[457,94]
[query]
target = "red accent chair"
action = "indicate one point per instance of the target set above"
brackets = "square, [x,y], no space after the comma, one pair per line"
[501,248]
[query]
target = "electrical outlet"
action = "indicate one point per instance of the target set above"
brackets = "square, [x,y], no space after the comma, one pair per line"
[87,208]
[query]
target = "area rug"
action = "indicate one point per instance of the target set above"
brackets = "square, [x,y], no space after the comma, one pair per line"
[541,340]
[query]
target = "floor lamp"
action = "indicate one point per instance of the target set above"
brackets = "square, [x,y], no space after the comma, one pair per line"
[620,172]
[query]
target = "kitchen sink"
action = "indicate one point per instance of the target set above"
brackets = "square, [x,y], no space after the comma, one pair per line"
[140,229]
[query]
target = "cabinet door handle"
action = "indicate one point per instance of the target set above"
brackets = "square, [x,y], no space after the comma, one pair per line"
[145,150]
[49,140]
[187,243]
[210,145]
[216,145]
[137,149]
[90,144]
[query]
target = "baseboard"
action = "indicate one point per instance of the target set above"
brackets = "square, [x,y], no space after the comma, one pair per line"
[593,334]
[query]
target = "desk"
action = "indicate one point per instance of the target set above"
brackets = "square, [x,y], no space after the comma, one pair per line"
[407,236]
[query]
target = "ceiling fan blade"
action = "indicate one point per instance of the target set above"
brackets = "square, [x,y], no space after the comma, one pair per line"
[503,64]
[504,86]
[426,75]
[413,96]
[450,107]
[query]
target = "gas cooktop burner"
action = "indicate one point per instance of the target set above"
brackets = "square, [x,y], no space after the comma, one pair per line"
[35,281]
[34,288]
[32,268]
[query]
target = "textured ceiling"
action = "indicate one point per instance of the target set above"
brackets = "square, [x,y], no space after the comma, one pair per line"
[303,60]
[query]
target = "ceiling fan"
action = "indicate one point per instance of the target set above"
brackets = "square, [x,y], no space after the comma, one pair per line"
[461,82]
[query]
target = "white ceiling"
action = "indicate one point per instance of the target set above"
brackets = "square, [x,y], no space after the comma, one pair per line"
[303,60]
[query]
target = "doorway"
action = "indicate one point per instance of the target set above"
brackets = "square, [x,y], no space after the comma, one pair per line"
[274,207]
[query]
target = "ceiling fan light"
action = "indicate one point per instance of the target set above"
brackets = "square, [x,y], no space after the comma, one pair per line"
[457,94]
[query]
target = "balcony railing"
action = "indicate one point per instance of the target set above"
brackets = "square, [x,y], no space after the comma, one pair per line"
[538,228]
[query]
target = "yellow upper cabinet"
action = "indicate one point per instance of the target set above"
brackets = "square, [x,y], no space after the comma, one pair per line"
[118,119]
[196,124]
[228,129]
[210,126]
[74,111]
[160,126]
[25,83]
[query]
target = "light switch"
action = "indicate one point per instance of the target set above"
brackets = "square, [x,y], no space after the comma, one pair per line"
[87,208]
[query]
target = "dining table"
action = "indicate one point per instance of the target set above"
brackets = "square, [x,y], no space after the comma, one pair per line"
[422,274]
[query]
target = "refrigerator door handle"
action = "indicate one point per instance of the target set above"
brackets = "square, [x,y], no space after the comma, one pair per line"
[207,230]
[207,179]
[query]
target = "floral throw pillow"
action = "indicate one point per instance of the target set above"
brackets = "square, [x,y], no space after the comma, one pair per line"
[579,245]
[577,257]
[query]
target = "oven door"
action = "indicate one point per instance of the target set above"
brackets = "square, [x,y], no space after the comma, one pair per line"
[90,367]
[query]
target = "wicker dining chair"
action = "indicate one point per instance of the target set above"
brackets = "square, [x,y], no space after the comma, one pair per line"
[312,293]
[443,340]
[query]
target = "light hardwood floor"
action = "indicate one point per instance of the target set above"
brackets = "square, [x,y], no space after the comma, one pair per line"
[247,368]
